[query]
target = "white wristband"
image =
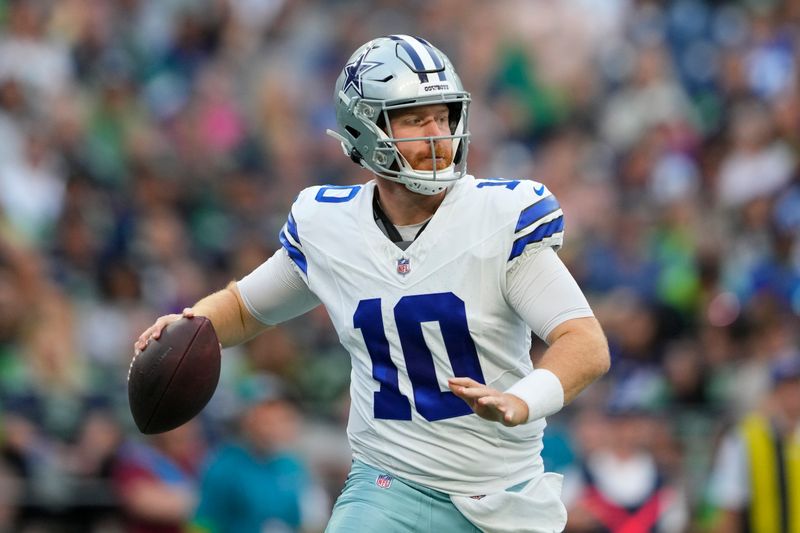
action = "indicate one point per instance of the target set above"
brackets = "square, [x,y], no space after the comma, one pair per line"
[542,391]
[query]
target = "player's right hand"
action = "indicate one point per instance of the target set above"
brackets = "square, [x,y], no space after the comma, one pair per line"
[154,331]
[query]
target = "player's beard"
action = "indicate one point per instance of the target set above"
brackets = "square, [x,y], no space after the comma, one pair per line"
[444,157]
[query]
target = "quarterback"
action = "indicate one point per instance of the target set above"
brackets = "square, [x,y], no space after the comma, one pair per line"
[434,281]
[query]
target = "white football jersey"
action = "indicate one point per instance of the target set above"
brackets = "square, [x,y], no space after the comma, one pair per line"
[411,319]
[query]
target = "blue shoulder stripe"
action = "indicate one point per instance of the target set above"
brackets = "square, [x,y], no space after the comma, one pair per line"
[294,253]
[292,226]
[540,233]
[535,212]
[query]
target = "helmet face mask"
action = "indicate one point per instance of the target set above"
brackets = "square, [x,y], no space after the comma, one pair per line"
[389,74]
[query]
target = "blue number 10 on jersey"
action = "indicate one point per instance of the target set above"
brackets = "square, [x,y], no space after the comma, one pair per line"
[431,402]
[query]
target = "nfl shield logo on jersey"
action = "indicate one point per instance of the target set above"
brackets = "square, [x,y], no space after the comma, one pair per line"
[403,266]
[384,481]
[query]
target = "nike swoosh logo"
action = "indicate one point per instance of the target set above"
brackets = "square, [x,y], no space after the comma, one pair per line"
[539,190]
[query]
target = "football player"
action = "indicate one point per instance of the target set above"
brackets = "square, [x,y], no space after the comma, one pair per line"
[434,281]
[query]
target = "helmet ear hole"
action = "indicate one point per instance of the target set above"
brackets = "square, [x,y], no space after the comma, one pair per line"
[354,154]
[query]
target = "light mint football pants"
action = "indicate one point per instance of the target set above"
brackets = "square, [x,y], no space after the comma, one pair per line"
[372,500]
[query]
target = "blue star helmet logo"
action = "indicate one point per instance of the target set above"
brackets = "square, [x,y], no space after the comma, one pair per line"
[355,70]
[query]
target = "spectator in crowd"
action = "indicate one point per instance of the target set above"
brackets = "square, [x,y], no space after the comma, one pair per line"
[9,498]
[89,461]
[27,457]
[259,483]
[156,481]
[755,483]
[620,487]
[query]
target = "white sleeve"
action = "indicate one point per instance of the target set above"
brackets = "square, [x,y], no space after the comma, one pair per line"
[543,292]
[728,482]
[275,292]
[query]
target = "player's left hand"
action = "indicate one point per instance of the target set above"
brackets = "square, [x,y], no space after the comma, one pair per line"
[490,403]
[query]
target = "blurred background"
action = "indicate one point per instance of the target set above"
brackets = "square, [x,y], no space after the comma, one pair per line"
[149,153]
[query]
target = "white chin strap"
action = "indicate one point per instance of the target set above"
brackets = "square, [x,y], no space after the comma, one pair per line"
[425,188]
[429,187]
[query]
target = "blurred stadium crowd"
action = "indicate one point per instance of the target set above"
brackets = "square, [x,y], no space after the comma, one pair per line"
[150,150]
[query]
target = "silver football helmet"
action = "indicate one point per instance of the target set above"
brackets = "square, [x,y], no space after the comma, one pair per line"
[394,72]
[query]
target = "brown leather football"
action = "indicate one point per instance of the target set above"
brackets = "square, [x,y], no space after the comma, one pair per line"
[175,376]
